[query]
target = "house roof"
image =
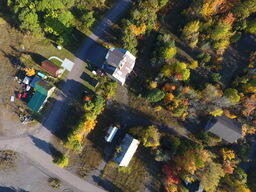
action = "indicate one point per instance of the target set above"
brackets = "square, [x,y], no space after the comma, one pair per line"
[37,101]
[128,146]
[51,68]
[119,63]
[42,87]
[225,128]
[33,82]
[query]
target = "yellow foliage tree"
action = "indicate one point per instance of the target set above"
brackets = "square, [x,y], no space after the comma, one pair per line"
[217,112]
[227,154]
[30,72]
[153,84]
[193,64]
[138,30]
[157,108]
[228,114]
[168,98]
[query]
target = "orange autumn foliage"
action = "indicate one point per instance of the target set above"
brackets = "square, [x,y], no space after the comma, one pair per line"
[211,7]
[168,98]
[88,126]
[169,87]
[229,18]
[228,167]
[138,30]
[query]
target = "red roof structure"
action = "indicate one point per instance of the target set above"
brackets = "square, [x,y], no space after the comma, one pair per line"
[51,68]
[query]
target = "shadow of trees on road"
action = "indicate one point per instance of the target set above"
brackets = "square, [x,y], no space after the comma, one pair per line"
[11,189]
[46,147]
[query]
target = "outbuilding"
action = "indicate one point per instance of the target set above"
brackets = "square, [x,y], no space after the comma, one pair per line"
[225,128]
[128,147]
[51,68]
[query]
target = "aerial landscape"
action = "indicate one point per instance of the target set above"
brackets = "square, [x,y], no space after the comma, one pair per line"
[128,95]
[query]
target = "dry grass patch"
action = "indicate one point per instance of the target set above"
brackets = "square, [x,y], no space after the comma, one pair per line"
[127,179]
[7,159]
[90,159]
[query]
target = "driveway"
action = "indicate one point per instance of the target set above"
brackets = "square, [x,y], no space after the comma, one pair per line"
[37,147]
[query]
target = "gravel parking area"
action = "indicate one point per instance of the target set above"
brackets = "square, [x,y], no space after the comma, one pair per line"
[27,178]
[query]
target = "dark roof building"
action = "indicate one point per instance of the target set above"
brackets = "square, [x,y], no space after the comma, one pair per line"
[225,128]
[119,63]
[51,68]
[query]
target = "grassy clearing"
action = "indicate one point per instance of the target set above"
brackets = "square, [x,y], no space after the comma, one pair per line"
[162,117]
[90,159]
[131,180]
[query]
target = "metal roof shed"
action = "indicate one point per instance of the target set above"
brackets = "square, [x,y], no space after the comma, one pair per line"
[37,101]
[51,68]
[128,146]
[111,133]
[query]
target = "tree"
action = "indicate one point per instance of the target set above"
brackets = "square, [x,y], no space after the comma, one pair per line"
[138,30]
[61,160]
[245,9]
[191,160]
[190,32]
[251,27]
[250,86]
[149,136]
[88,19]
[216,112]
[221,31]
[178,69]
[155,95]
[168,98]
[29,21]
[210,176]
[232,95]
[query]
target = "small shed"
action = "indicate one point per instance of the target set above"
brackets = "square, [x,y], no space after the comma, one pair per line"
[128,147]
[111,133]
[51,68]
[225,128]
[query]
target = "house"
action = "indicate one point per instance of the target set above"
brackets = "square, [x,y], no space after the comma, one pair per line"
[42,91]
[111,133]
[51,68]
[225,128]
[128,147]
[119,64]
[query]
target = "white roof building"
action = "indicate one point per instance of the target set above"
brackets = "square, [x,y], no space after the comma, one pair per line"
[111,133]
[119,64]
[128,146]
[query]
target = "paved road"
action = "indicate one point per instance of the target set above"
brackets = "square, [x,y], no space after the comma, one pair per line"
[38,147]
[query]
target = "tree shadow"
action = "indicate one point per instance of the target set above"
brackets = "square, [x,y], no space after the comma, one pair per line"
[92,53]
[11,189]
[127,118]
[14,60]
[107,185]
[46,147]
[37,58]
